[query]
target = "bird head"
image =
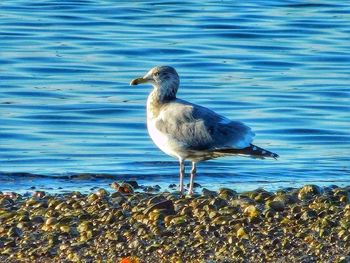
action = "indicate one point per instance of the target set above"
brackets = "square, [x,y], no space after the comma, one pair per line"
[163,78]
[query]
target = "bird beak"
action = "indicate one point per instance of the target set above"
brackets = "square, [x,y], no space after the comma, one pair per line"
[138,81]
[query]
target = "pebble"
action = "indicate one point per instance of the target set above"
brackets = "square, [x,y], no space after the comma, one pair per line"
[166,205]
[224,226]
[39,194]
[309,191]
[276,205]
[133,183]
[172,186]
[227,193]
[195,185]
[208,193]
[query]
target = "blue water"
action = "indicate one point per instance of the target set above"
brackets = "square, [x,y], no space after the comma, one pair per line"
[66,107]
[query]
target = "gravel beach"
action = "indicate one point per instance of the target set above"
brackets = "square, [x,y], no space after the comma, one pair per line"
[310,224]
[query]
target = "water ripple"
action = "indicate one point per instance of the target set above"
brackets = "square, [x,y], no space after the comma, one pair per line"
[66,106]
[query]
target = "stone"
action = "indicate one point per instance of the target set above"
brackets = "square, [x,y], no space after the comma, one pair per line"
[227,193]
[308,191]
[278,206]
[166,204]
[207,192]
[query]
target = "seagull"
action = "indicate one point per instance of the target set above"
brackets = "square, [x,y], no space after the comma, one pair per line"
[187,131]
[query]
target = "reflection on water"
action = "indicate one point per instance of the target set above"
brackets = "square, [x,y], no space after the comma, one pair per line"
[282,68]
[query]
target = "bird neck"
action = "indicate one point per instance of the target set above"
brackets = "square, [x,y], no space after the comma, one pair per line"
[158,97]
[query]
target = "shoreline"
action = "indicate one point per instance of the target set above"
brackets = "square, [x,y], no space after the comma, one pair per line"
[308,224]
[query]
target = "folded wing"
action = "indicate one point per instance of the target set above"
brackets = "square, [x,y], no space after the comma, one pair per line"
[197,128]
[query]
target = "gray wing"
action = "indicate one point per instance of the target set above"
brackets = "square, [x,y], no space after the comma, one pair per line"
[198,128]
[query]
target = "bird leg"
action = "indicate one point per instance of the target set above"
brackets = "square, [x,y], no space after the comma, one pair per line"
[182,174]
[193,173]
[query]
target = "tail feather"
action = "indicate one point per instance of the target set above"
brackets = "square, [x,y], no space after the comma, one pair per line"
[251,150]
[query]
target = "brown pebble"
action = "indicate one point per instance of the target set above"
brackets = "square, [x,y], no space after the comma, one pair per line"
[39,194]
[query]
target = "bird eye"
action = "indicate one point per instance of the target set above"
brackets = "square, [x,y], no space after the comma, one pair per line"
[156,74]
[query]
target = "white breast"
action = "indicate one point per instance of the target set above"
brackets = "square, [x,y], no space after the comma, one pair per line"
[162,141]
